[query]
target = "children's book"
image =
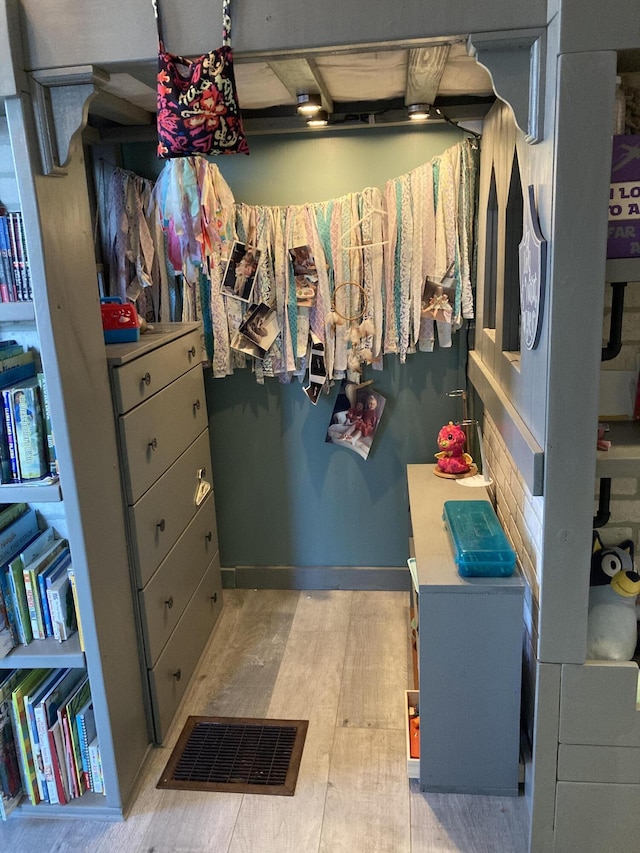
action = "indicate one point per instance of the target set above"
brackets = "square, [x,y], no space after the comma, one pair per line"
[16,581]
[81,696]
[28,427]
[56,744]
[86,723]
[53,583]
[52,456]
[30,701]
[12,538]
[96,767]
[10,781]
[46,718]
[62,605]
[27,683]
[30,574]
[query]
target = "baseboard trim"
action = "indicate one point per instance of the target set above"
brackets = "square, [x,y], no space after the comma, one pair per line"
[375,578]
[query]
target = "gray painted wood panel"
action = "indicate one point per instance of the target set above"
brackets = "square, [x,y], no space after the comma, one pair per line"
[166,595]
[150,441]
[135,381]
[170,676]
[163,512]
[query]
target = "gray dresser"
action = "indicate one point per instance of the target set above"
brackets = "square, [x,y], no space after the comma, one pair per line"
[160,409]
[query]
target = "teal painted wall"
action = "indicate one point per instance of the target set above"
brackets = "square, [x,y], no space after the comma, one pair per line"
[284,497]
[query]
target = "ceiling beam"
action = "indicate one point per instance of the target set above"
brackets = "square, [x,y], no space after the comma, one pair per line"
[302,75]
[424,72]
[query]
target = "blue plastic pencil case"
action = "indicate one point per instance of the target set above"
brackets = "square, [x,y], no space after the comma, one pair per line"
[479,543]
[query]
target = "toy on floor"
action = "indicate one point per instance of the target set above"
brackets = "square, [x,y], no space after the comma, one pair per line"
[612,630]
[452,459]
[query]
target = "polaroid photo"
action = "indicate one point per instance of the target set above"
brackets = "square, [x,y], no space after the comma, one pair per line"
[303,262]
[260,326]
[354,421]
[438,299]
[317,372]
[240,271]
[305,292]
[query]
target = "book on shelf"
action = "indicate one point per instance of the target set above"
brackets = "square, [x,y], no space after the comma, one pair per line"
[67,716]
[46,713]
[61,604]
[30,574]
[97,780]
[9,292]
[14,573]
[52,456]
[86,723]
[29,681]
[30,700]
[12,539]
[28,429]
[17,241]
[10,779]
[74,593]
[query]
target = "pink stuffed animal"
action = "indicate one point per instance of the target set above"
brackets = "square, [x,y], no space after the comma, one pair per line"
[452,459]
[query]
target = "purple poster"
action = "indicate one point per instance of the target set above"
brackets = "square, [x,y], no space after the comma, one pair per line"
[624,199]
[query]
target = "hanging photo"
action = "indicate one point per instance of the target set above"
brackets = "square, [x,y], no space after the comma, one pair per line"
[317,371]
[438,299]
[260,326]
[303,262]
[305,292]
[240,272]
[355,418]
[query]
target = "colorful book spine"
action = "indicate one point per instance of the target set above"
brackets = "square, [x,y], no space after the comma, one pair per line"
[27,292]
[96,770]
[52,456]
[19,596]
[11,444]
[6,266]
[29,431]
[17,246]
[15,262]
[27,766]
[74,592]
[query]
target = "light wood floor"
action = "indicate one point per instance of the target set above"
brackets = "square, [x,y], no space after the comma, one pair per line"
[341,660]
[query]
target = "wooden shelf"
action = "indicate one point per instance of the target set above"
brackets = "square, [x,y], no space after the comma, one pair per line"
[16,312]
[38,492]
[48,654]
[623,458]
[623,269]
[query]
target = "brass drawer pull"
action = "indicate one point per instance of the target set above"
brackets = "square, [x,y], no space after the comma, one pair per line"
[153,444]
[177,674]
[192,352]
[169,602]
[196,406]
[161,525]
[147,378]
[208,536]
[214,597]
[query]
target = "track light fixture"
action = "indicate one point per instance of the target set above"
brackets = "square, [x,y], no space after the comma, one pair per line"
[419,112]
[309,103]
[320,119]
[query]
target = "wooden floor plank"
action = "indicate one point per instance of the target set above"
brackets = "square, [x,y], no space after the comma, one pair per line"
[466,823]
[327,657]
[376,672]
[368,796]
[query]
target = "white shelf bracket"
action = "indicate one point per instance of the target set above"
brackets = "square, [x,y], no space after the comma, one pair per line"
[61,99]
[516,62]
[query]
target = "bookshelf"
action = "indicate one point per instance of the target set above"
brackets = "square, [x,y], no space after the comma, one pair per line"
[63,325]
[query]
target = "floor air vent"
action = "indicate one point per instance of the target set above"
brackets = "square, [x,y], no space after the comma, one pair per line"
[236,755]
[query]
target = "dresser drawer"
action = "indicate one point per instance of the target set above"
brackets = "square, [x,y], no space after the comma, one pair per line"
[140,379]
[164,598]
[154,434]
[163,512]
[170,677]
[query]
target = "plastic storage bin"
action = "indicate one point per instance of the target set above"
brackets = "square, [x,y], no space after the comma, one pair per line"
[480,546]
[120,321]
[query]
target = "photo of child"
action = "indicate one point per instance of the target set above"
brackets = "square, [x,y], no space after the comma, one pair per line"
[240,272]
[260,327]
[354,421]
[303,262]
[438,300]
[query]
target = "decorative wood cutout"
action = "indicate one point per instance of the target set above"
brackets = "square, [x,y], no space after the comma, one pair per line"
[532,253]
